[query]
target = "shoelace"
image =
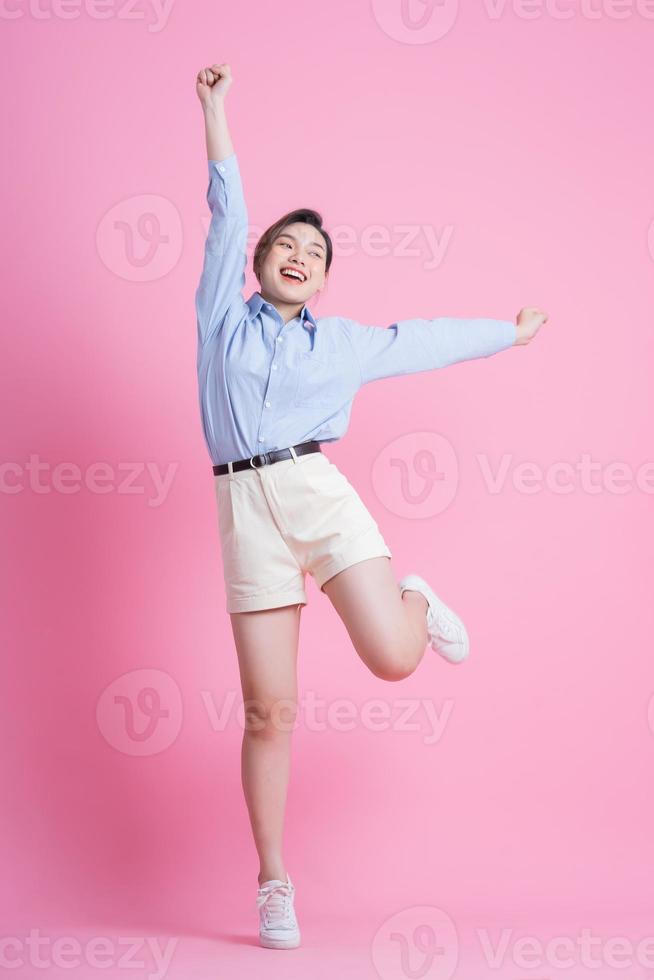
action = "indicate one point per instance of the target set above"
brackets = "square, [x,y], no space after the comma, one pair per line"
[437,619]
[443,624]
[277,901]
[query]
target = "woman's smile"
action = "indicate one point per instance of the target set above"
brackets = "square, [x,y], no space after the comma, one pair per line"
[291,274]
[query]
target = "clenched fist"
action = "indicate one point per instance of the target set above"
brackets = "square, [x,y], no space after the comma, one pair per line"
[212,84]
[529,321]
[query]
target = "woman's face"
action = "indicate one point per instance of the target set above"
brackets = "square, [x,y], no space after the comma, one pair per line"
[294,268]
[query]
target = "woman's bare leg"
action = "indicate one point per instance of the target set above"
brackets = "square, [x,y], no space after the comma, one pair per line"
[389,632]
[267,644]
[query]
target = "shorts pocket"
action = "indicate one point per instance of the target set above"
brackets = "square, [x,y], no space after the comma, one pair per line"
[236,536]
[326,478]
[224,503]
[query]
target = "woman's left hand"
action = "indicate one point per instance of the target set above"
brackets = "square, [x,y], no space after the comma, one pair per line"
[529,321]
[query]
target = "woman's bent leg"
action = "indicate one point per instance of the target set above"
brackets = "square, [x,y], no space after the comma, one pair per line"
[267,645]
[388,631]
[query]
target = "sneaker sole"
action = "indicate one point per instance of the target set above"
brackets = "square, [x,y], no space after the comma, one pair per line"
[290,943]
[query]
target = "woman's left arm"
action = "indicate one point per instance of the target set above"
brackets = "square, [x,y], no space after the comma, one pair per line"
[411,346]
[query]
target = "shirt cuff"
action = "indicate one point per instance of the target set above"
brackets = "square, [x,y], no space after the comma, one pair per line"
[225,168]
[510,333]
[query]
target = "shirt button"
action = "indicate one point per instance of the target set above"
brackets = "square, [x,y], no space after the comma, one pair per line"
[280,340]
[223,169]
[267,404]
[274,367]
[260,438]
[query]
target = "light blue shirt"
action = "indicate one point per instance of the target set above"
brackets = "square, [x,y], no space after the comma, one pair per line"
[264,384]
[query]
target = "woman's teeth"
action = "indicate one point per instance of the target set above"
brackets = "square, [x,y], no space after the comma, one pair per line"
[292,276]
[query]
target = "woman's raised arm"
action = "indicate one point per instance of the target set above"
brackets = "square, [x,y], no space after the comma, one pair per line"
[225,256]
[212,85]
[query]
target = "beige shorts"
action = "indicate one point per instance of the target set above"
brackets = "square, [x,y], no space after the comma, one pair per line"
[278,522]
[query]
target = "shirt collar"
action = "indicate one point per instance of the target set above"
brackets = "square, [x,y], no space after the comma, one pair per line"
[256,302]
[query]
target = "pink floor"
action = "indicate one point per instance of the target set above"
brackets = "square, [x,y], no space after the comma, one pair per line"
[393,944]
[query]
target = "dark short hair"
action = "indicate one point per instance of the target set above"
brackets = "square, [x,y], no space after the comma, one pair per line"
[306,215]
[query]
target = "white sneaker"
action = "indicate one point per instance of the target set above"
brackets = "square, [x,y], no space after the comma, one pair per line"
[447,634]
[278,928]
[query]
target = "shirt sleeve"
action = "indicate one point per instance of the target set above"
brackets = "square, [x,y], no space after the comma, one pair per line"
[410,346]
[225,256]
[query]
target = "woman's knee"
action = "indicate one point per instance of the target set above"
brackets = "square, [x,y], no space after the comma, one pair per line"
[391,661]
[270,718]
[392,670]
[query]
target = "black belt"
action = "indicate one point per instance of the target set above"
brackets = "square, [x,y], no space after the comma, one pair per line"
[262,459]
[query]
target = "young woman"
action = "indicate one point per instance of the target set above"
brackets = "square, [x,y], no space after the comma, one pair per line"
[275,383]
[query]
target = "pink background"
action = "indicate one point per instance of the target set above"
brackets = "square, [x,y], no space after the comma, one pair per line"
[530,139]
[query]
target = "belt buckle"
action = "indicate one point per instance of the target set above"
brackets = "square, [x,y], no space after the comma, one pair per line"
[258,456]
